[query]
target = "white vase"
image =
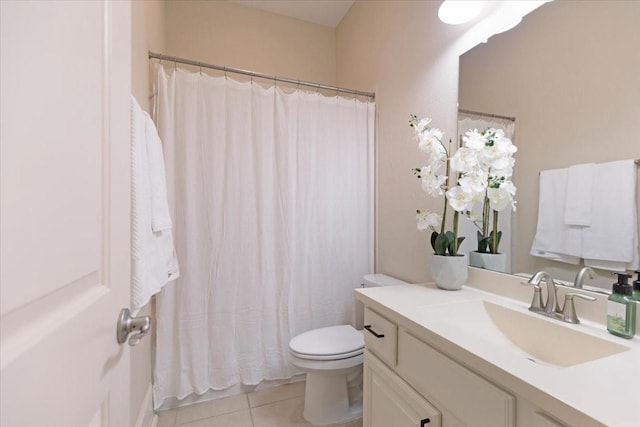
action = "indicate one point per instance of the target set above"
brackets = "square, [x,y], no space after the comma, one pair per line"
[494,262]
[449,272]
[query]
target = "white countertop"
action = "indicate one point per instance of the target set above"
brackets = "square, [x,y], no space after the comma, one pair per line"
[606,390]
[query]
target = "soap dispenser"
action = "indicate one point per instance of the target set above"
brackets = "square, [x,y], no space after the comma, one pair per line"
[621,309]
[636,287]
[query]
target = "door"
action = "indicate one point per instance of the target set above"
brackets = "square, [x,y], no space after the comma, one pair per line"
[64,212]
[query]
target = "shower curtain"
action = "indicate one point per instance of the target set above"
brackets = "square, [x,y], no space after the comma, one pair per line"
[272,199]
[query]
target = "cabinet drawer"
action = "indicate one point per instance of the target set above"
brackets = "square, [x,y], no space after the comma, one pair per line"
[473,400]
[380,336]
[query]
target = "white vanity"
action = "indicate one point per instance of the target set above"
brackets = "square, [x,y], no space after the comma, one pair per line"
[474,358]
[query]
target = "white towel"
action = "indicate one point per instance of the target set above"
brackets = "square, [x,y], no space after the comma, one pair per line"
[153,258]
[555,240]
[577,207]
[612,239]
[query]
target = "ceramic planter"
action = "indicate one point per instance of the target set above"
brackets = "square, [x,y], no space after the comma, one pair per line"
[494,262]
[449,272]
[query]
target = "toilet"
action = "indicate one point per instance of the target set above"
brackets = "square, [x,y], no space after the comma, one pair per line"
[330,357]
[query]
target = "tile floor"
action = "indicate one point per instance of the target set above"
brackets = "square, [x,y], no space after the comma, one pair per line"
[274,407]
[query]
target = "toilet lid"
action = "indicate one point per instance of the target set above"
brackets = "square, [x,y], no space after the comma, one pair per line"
[339,341]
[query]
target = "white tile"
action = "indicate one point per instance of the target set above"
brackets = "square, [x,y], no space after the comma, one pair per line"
[286,413]
[234,419]
[211,408]
[276,394]
[167,418]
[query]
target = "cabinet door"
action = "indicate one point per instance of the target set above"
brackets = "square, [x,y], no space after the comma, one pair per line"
[389,401]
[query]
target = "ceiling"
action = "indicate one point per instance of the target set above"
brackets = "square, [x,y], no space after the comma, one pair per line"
[323,12]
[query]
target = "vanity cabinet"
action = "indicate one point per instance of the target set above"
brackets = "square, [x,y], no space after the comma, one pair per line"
[407,382]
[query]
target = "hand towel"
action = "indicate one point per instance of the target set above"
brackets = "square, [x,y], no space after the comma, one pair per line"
[153,258]
[160,217]
[612,239]
[555,240]
[577,207]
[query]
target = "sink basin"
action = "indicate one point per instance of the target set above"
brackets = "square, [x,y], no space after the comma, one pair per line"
[541,339]
[551,342]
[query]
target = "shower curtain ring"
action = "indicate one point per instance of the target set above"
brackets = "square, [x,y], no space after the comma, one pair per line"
[225,72]
[298,85]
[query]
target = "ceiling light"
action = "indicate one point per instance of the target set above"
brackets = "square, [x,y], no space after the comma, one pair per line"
[459,11]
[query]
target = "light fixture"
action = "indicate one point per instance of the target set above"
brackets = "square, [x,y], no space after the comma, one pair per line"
[459,11]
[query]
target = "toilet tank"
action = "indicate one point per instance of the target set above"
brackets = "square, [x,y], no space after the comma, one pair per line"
[371,281]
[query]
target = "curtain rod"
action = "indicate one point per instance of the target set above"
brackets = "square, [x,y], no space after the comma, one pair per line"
[163,57]
[495,116]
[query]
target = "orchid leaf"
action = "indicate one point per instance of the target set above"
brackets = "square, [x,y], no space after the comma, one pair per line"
[441,244]
[434,236]
[483,242]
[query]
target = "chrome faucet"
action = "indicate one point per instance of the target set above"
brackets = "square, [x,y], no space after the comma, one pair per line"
[569,310]
[551,306]
[577,283]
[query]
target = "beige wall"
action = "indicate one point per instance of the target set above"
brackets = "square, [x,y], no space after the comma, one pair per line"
[400,50]
[228,34]
[569,73]
[148,33]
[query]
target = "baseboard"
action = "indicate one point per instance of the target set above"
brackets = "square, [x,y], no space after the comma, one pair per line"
[146,416]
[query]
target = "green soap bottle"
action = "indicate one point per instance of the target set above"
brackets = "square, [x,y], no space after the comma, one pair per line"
[636,288]
[621,309]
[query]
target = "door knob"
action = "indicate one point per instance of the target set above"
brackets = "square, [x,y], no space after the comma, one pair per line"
[127,325]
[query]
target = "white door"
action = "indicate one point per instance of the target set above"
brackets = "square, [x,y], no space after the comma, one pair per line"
[64,212]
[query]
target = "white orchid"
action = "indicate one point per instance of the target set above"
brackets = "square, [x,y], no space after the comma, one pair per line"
[460,200]
[428,220]
[485,164]
[474,140]
[465,160]
[474,183]
[499,198]
[434,183]
[430,137]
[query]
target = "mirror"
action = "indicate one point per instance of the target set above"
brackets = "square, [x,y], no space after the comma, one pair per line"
[568,73]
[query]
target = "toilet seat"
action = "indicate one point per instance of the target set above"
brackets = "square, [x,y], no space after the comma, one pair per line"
[331,343]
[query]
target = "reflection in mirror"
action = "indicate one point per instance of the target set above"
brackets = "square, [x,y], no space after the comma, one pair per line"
[569,75]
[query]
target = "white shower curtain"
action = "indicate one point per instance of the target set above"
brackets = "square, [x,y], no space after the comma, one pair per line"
[271,196]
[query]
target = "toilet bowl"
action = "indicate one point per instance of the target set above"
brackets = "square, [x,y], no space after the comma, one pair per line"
[330,357]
